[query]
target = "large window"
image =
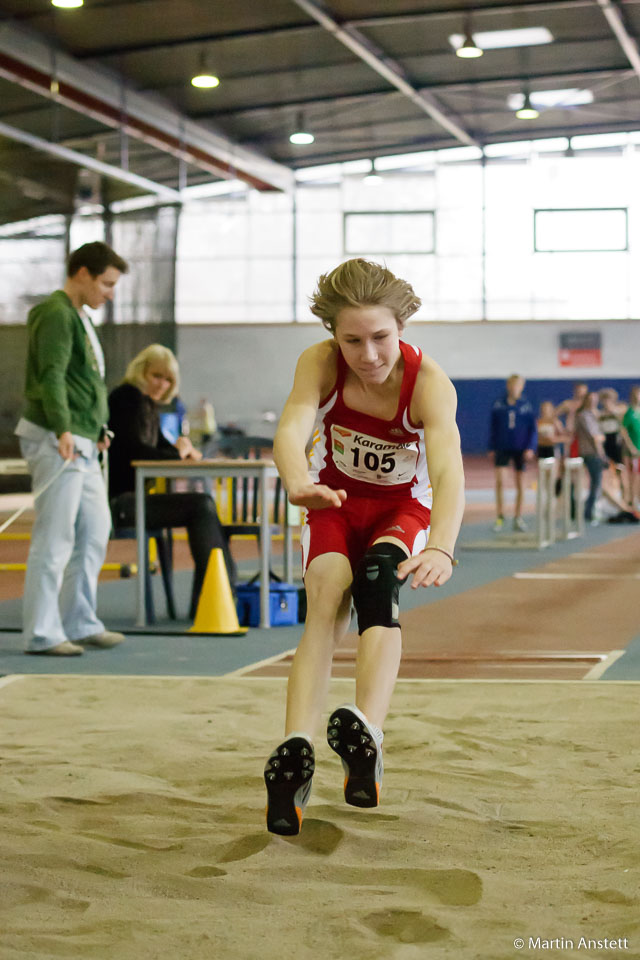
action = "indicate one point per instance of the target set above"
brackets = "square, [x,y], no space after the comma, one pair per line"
[389,232]
[503,238]
[575,230]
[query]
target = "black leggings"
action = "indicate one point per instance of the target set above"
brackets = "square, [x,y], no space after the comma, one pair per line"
[195,511]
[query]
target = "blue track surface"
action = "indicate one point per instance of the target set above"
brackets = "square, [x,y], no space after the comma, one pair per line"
[169,650]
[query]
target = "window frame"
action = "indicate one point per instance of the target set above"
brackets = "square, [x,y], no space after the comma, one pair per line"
[390,253]
[624,249]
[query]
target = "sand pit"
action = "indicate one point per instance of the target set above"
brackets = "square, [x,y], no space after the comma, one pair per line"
[132,824]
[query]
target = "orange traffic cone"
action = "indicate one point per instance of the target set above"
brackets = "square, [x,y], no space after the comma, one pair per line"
[216,611]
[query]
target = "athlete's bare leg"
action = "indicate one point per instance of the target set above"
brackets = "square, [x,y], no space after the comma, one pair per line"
[519,478]
[377,664]
[500,472]
[327,582]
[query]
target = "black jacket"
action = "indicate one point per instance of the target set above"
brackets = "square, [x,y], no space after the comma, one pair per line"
[134,419]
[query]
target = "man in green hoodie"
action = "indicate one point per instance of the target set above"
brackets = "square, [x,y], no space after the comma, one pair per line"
[62,431]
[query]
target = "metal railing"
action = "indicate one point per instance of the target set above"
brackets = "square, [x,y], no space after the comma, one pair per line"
[546,503]
[572,505]
[570,502]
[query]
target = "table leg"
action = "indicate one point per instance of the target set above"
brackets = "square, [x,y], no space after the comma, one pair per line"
[141,540]
[265,552]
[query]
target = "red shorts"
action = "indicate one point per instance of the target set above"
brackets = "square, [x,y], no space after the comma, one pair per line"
[354,526]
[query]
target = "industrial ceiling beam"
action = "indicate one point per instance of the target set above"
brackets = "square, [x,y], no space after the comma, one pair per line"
[347,99]
[386,67]
[382,20]
[624,38]
[497,136]
[152,46]
[27,60]
[445,12]
[89,163]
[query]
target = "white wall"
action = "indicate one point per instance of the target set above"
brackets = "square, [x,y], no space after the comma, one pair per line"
[247,370]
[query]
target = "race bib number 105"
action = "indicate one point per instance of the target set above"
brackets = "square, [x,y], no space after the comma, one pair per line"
[371,459]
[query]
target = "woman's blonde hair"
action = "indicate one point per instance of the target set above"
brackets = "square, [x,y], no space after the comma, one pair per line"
[608,393]
[359,283]
[157,354]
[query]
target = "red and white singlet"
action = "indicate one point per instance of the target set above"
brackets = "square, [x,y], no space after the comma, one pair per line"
[365,455]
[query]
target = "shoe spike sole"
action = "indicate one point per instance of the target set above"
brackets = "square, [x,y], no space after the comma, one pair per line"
[356,747]
[287,776]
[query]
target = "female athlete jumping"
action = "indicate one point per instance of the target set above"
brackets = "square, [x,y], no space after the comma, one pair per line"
[368,444]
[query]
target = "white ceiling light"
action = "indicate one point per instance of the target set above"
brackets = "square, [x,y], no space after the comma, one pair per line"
[301,137]
[548,99]
[203,78]
[468,49]
[205,81]
[496,39]
[372,178]
[67,4]
[527,111]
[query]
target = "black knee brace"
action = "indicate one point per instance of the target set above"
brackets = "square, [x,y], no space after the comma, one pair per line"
[375,588]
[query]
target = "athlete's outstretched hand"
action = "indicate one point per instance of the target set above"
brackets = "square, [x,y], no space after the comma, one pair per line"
[428,568]
[316,496]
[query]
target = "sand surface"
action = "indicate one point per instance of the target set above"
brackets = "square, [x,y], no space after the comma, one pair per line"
[132,824]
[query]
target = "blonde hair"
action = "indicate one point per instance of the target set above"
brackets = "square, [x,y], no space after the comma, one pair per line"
[608,393]
[358,283]
[154,353]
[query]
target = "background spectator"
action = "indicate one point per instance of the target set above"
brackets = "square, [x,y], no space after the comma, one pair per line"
[513,438]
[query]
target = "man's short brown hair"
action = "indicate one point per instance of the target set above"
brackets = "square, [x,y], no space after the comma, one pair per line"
[96,257]
[360,283]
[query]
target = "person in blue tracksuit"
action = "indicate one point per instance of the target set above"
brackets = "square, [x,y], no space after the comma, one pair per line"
[513,439]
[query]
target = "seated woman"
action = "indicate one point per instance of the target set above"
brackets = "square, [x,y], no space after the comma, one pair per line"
[151,379]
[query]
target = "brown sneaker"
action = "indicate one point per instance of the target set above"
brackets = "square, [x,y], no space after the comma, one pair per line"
[108,638]
[64,649]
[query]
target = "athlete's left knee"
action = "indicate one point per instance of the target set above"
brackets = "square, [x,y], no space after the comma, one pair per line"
[376,588]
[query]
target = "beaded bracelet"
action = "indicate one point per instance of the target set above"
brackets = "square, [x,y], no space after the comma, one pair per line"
[454,562]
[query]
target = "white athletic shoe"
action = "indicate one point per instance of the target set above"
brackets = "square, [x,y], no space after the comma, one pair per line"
[358,743]
[519,524]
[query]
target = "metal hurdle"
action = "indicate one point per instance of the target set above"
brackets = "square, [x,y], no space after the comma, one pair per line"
[546,502]
[572,488]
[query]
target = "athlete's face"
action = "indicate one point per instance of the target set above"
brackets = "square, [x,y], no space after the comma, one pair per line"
[515,386]
[368,337]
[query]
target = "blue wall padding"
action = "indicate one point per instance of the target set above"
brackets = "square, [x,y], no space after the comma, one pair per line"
[476,397]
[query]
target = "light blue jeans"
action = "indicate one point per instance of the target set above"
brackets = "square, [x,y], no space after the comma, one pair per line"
[68,546]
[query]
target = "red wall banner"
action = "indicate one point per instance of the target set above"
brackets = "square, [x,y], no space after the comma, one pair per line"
[580,350]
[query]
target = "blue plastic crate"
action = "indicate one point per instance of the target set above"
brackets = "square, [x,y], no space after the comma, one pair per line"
[283,604]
